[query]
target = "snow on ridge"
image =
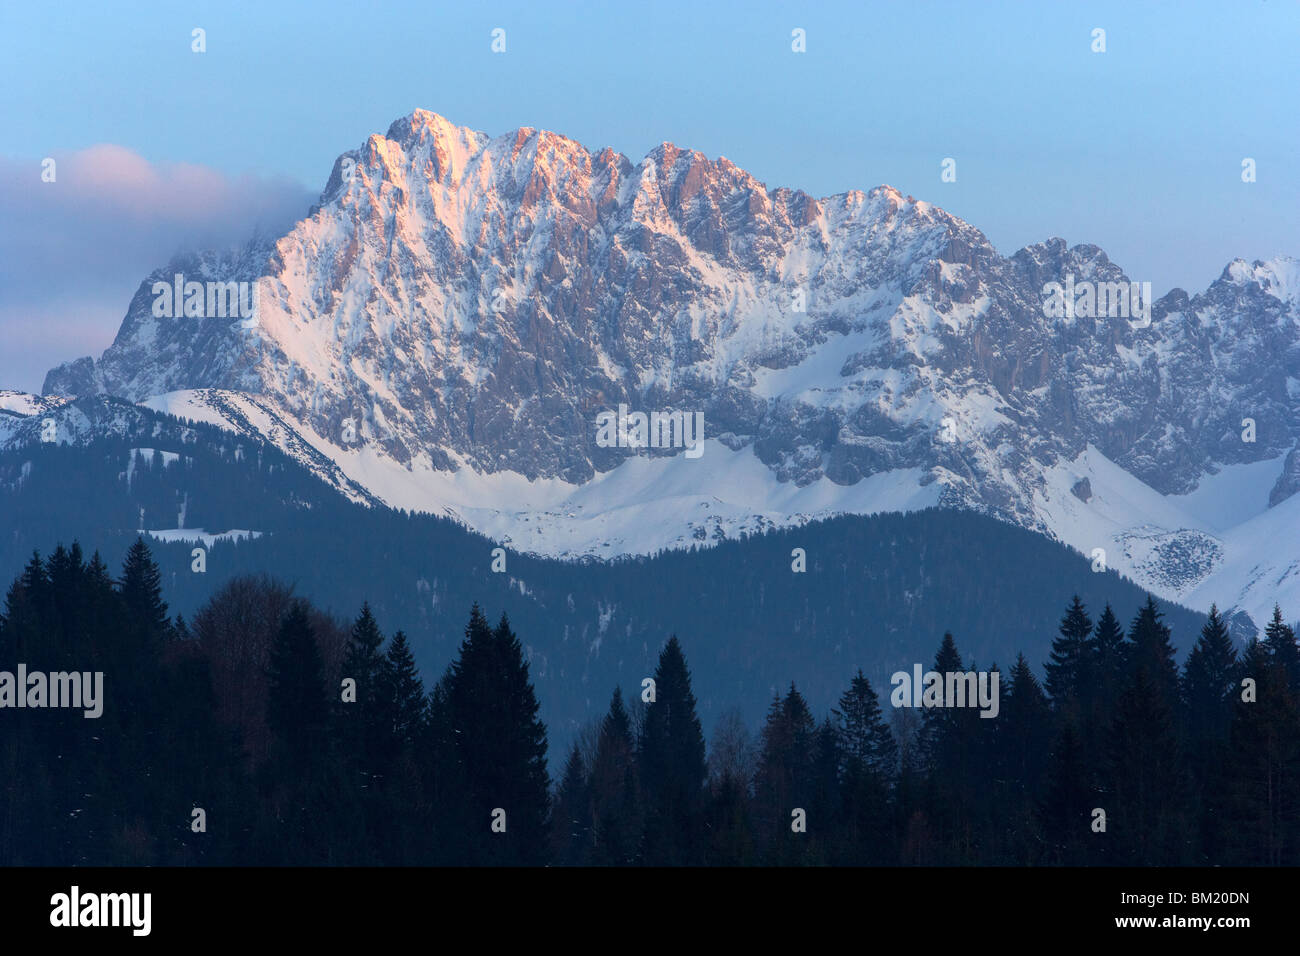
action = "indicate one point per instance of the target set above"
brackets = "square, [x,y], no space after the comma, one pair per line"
[1215,544]
[26,404]
[1278,276]
[1198,548]
[198,535]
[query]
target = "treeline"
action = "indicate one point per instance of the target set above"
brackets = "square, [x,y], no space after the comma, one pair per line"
[877,589]
[1116,759]
[264,732]
[259,733]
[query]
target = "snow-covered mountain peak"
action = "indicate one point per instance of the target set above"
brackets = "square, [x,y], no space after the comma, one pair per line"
[1278,277]
[460,307]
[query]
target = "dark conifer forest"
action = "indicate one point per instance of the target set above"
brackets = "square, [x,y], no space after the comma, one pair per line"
[263,731]
[878,590]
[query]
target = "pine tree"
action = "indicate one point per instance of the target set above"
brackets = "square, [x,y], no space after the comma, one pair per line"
[1146,818]
[366,722]
[141,589]
[1109,661]
[1023,742]
[455,819]
[404,691]
[501,742]
[1209,678]
[1256,800]
[362,660]
[1153,652]
[940,733]
[296,703]
[673,772]
[1025,727]
[571,819]
[613,786]
[825,819]
[24,635]
[1280,640]
[957,743]
[784,781]
[869,765]
[1069,674]
[1068,799]
[864,737]
[299,780]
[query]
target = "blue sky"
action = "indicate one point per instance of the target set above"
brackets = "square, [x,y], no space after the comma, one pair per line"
[1137,149]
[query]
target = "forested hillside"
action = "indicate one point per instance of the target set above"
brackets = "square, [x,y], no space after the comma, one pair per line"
[262,731]
[875,593]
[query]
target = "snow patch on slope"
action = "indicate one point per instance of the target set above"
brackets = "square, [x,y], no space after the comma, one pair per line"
[1208,546]
[198,535]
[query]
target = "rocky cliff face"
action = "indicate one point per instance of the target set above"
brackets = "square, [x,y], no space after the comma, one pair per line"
[469,304]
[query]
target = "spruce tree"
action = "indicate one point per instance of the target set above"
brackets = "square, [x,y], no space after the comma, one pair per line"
[63,571]
[141,589]
[1153,652]
[825,819]
[1022,744]
[869,766]
[297,698]
[784,780]
[362,660]
[730,824]
[1109,662]
[1024,729]
[501,743]
[1280,640]
[455,819]
[941,728]
[673,771]
[1068,800]
[133,659]
[365,723]
[1069,677]
[1209,678]
[404,691]
[1146,819]
[299,779]
[864,737]
[613,786]
[957,744]
[1256,801]
[571,817]
[24,635]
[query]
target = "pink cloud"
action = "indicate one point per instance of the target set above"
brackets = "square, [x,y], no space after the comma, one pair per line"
[73,251]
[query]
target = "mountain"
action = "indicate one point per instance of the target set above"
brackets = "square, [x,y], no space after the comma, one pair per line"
[443,330]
